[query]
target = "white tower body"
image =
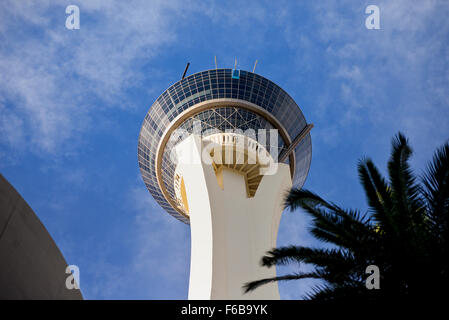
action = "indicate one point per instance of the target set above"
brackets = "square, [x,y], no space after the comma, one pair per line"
[230,231]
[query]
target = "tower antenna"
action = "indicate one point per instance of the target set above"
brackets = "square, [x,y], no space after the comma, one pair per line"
[185,70]
[215,62]
[255,64]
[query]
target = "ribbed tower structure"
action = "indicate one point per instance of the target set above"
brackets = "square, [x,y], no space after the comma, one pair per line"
[218,150]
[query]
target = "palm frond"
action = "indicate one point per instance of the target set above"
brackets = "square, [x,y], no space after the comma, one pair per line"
[318,257]
[377,193]
[436,189]
[405,192]
[348,291]
[330,222]
[250,286]
[346,228]
[296,198]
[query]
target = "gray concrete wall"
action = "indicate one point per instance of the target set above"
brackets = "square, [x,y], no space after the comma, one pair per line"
[31,265]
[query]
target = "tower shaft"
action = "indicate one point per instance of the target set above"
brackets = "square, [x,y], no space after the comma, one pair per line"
[230,231]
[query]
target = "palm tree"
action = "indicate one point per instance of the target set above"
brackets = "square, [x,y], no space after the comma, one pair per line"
[404,233]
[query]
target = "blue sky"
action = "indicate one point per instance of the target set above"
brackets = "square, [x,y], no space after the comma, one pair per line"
[72,103]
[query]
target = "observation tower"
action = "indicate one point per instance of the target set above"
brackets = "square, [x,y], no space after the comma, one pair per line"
[218,150]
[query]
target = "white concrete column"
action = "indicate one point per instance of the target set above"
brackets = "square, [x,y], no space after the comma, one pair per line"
[229,231]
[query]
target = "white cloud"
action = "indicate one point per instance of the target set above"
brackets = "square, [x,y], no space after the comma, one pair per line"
[391,79]
[49,72]
[11,126]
